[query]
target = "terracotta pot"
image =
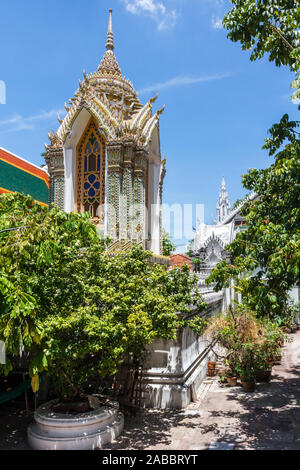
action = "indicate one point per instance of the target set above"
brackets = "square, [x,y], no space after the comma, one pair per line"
[298,327]
[232,381]
[270,362]
[211,368]
[263,376]
[248,386]
[211,364]
[211,372]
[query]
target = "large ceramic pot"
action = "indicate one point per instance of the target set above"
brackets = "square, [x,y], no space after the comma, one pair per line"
[248,386]
[82,431]
[232,381]
[263,376]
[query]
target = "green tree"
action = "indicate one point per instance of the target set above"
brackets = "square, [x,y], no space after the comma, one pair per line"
[168,245]
[268,27]
[72,308]
[265,258]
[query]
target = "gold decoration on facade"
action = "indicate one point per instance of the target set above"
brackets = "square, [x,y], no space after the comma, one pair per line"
[90,177]
[55,141]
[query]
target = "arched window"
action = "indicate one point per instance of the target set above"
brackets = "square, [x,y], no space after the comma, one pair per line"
[91,172]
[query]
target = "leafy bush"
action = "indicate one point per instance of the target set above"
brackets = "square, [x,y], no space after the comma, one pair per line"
[76,310]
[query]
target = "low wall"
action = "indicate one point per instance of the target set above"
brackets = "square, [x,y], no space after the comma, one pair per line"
[174,370]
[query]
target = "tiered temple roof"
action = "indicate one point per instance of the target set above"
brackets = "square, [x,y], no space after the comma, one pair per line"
[112,100]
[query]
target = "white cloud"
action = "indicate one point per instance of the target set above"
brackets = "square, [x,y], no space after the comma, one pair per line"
[182,81]
[20,123]
[216,23]
[164,18]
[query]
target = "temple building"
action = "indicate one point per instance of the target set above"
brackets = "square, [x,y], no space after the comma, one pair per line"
[209,244]
[18,175]
[105,156]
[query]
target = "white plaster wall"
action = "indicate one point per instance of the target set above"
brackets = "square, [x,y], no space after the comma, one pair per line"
[153,191]
[173,367]
[154,171]
[192,347]
[294,294]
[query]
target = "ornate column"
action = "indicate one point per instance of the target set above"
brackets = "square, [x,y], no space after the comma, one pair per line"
[161,183]
[127,199]
[114,184]
[55,162]
[139,187]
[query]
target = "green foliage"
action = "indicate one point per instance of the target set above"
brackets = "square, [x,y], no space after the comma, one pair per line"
[268,27]
[196,261]
[77,311]
[252,23]
[197,324]
[168,245]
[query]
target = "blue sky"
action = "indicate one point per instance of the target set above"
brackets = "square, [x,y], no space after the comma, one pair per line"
[219,105]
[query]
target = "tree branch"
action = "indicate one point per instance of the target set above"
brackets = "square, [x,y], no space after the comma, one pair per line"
[68,380]
[14,228]
[282,37]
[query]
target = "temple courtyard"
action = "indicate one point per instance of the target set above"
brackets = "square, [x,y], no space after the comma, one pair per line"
[222,418]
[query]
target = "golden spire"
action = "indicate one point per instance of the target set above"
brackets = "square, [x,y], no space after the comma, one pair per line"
[109,64]
[110,36]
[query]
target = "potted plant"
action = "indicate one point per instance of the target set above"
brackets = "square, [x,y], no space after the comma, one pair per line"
[245,365]
[263,374]
[253,345]
[263,369]
[247,377]
[230,372]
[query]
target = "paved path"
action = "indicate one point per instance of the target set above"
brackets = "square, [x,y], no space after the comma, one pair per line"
[227,418]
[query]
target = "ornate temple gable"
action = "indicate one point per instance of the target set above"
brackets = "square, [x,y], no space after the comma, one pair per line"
[206,232]
[213,250]
[141,125]
[210,247]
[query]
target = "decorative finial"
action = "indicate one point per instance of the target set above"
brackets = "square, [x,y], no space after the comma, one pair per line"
[110,37]
[153,99]
[160,111]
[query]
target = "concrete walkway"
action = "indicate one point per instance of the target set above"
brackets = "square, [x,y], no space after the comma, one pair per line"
[227,418]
